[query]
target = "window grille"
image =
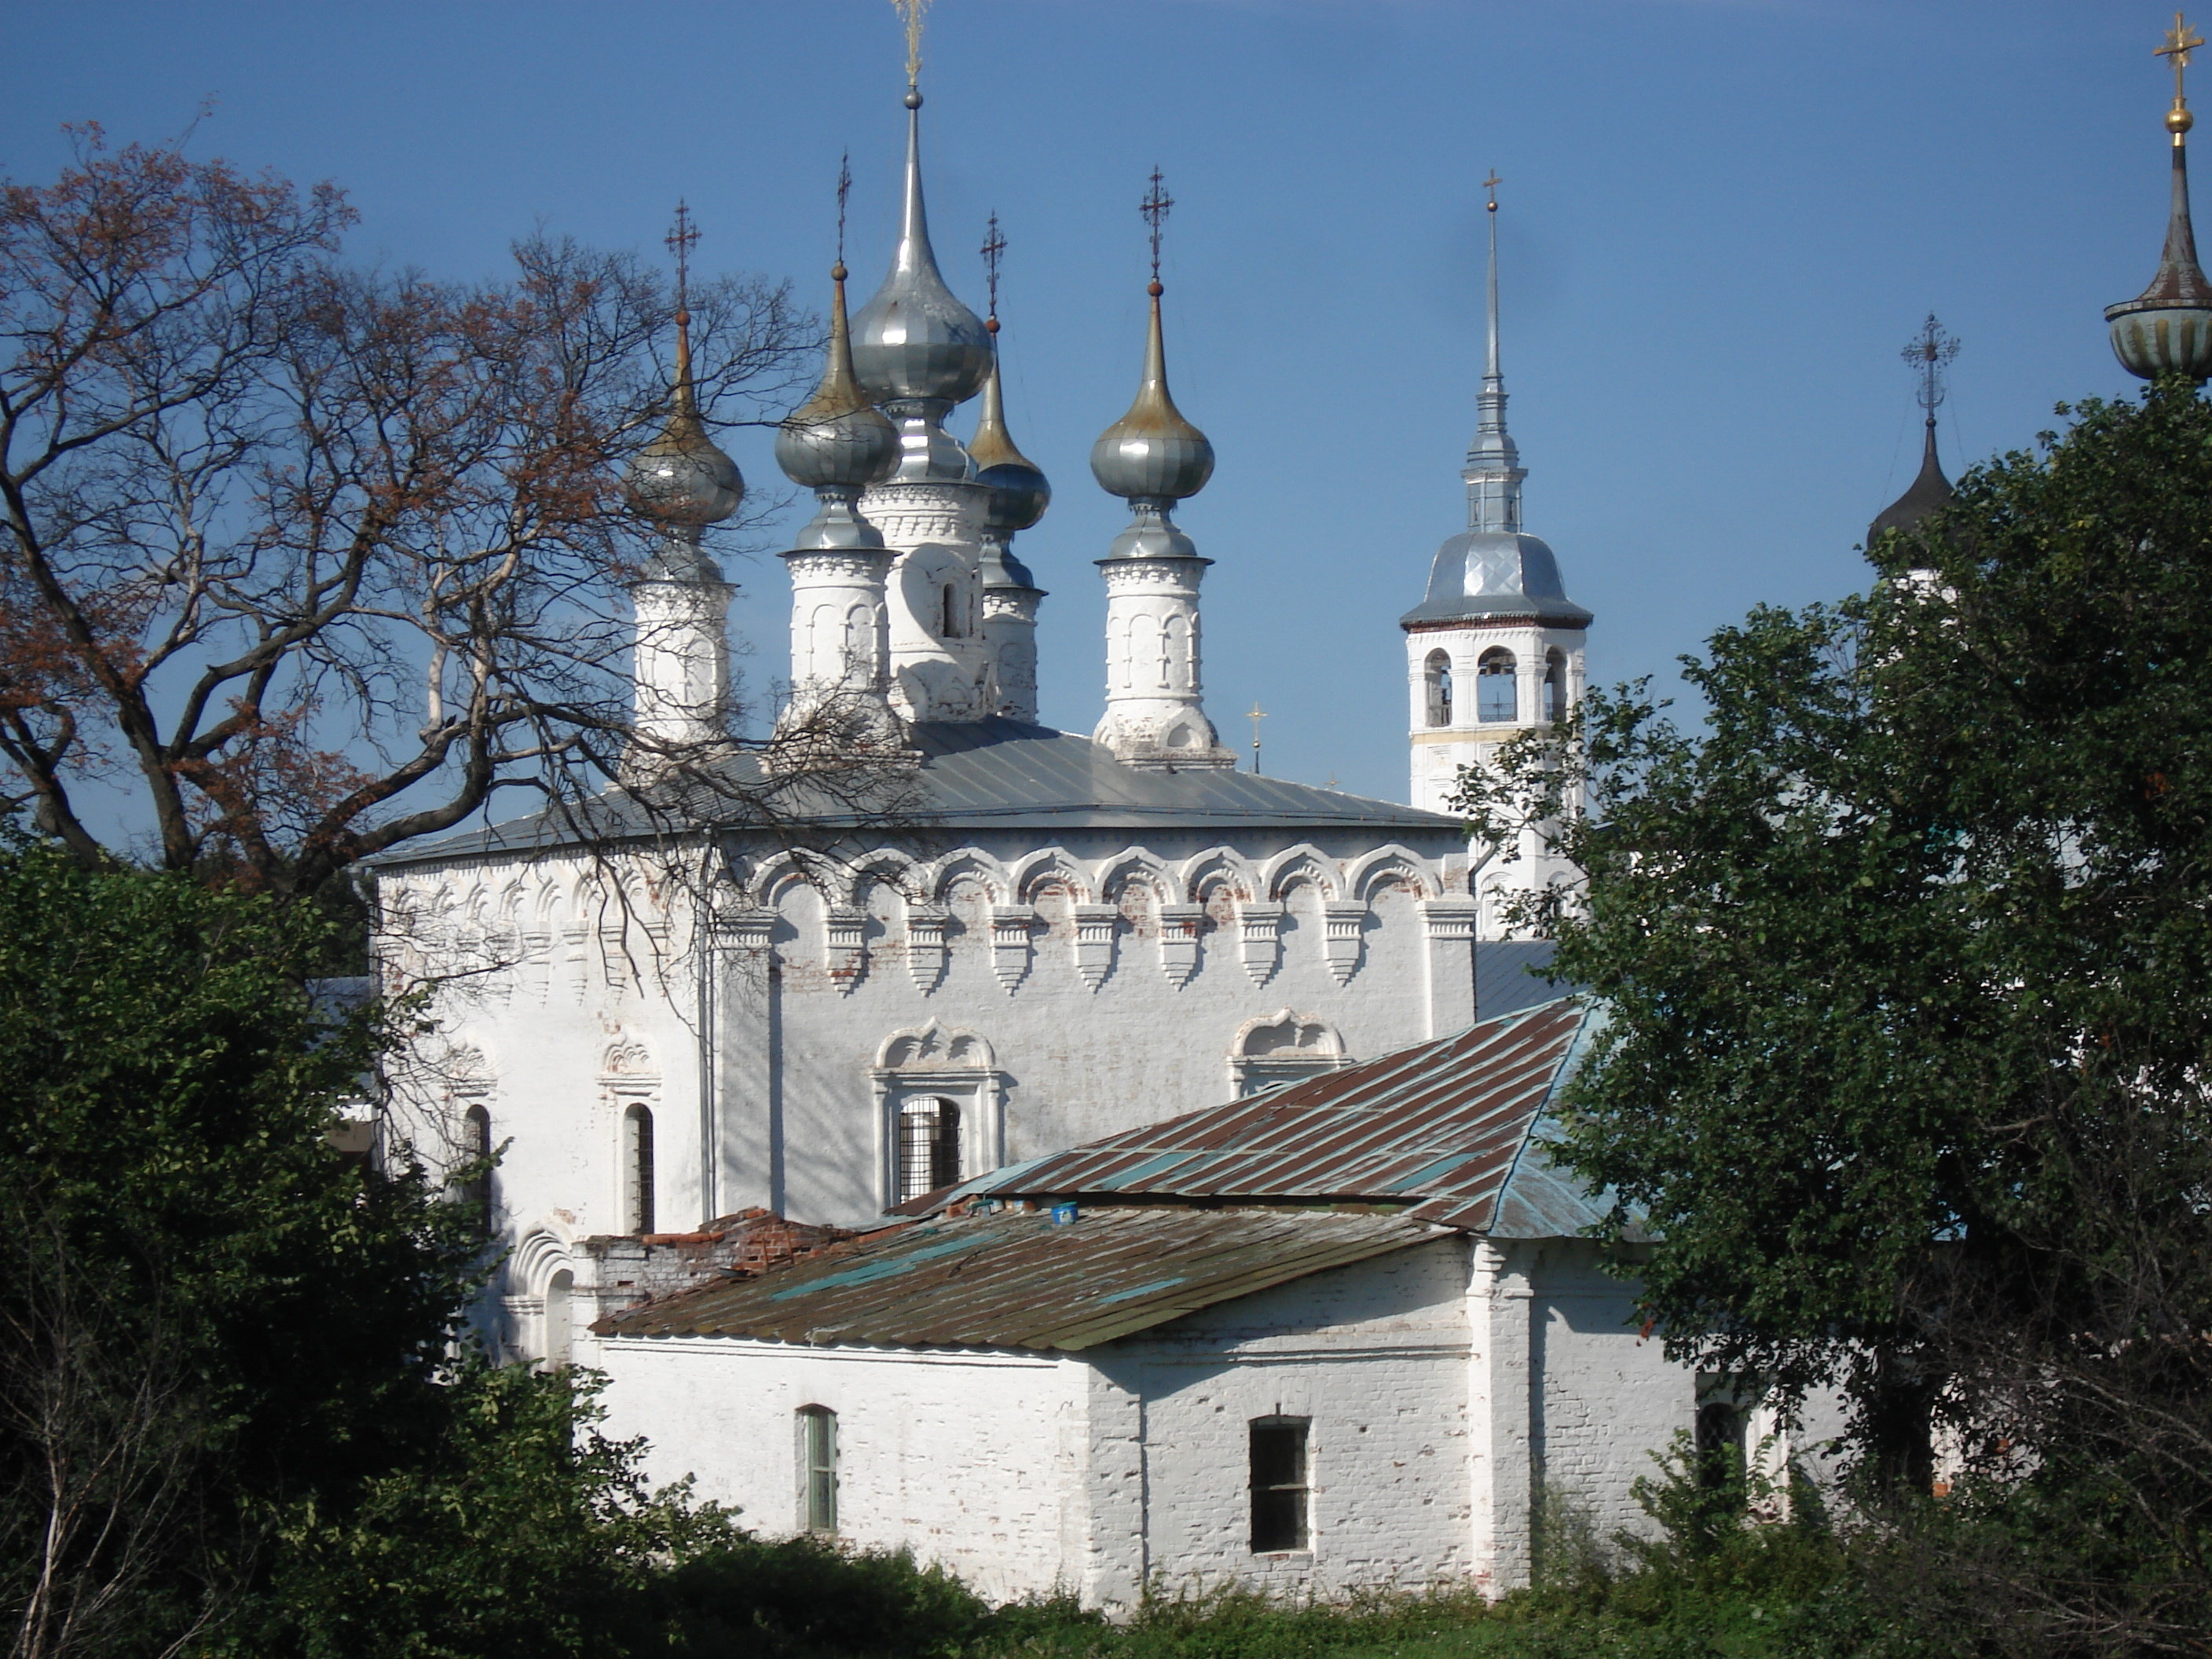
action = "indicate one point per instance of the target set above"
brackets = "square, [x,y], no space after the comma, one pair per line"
[1279,1484]
[817,1467]
[637,1169]
[928,1146]
[1497,696]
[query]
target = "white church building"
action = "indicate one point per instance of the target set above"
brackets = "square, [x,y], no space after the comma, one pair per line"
[758,1122]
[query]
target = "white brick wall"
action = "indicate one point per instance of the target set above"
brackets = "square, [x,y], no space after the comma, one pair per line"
[969,1459]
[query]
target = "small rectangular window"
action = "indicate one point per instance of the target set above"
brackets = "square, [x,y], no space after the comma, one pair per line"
[1279,1484]
[817,1471]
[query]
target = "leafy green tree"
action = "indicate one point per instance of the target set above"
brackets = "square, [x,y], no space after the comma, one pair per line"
[1908,952]
[206,1311]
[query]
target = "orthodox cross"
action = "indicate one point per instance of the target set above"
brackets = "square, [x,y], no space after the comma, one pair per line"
[1490,184]
[1929,353]
[994,248]
[1155,208]
[2179,43]
[682,236]
[911,11]
[844,190]
[1257,715]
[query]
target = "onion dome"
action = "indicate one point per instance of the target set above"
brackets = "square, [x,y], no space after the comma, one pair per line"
[2167,328]
[682,480]
[1153,453]
[1019,494]
[1928,492]
[914,340]
[837,440]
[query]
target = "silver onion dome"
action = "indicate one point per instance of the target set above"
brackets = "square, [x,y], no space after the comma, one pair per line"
[1153,453]
[837,440]
[914,340]
[682,480]
[1019,494]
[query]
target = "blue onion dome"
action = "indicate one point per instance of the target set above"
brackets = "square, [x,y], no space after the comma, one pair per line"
[681,479]
[837,440]
[2167,328]
[1019,494]
[914,340]
[1153,452]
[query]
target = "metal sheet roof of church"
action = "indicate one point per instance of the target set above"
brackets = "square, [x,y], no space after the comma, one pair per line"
[1000,773]
[1450,1129]
[1017,1278]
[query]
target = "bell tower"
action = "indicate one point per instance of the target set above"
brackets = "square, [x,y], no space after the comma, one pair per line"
[1495,648]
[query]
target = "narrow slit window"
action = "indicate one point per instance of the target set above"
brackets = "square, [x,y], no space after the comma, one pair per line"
[475,1149]
[1279,1486]
[817,1467]
[637,1169]
[952,611]
[928,1146]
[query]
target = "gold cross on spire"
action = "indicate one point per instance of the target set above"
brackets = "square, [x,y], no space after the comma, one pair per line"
[2179,44]
[1490,184]
[1257,715]
[911,11]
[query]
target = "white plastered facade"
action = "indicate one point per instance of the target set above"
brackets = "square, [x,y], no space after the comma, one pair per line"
[1443,1389]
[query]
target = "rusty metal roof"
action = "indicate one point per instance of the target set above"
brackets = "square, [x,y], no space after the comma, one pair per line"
[1014,1279]
[1440,1128]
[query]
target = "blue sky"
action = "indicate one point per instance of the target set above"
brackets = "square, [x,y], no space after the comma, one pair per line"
[1722,219]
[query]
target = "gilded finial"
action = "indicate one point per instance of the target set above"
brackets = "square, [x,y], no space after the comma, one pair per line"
[1155,208]
[911,11]
[2179,44]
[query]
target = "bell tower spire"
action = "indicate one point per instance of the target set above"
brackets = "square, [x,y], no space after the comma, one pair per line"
[1493,471]
[1496,648]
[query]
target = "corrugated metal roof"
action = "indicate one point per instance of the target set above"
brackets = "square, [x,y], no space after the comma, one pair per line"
[1003,775]
[1439,1127]
[1014,1279]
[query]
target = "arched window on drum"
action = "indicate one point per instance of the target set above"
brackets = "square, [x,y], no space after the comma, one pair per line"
[1497,686]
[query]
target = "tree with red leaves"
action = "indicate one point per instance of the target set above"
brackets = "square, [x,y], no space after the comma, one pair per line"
[301,561]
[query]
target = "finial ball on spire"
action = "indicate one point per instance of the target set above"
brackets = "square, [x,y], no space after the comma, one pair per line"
[914,97]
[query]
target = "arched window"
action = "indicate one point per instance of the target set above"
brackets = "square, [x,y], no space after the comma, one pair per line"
[817,1469]
[952,593]
[1437,673]
[1555,685]
[476,1155]
[928,1146]
[637,1169]
[559,1323]
[1497,692]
